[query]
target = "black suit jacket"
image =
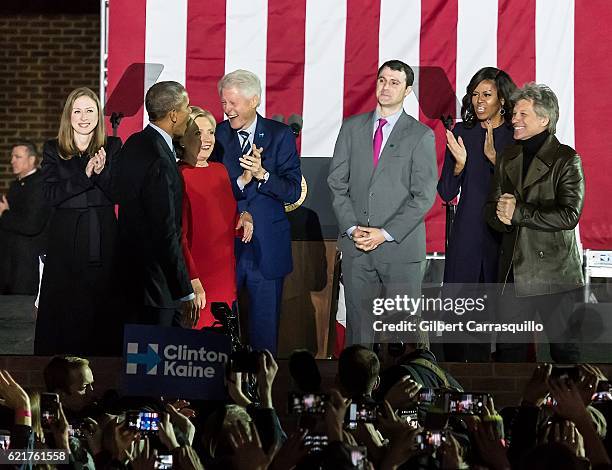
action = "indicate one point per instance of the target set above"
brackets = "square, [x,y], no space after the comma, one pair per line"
[148,187]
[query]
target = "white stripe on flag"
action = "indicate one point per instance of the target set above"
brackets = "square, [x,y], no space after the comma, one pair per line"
[323,76]
[399,38]
[476,41]
[555,59]
[165,43]
[246,40]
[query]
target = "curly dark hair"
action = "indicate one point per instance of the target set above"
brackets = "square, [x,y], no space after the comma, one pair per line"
[505,88]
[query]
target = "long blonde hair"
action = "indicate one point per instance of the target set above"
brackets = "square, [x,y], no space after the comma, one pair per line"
[65,136]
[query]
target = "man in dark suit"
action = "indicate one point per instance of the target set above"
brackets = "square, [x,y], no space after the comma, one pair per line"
[24,213]
[149,190]
[264,168]
[383,181]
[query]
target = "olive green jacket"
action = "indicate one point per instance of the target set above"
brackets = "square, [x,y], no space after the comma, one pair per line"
[540,245]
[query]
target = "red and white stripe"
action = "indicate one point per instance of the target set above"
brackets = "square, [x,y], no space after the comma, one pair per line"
[318,59]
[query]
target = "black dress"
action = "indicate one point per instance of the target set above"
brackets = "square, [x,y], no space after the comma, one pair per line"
[473,248]
[79,311]
[22,235]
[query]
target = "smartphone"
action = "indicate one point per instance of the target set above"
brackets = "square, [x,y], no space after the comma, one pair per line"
[245,361]
[427,396]
[76,430]
[307,403]
[549,401]
[566,372]
[358,457]
[364,412]
[315,442]
[603,393]
[430,440]
[410,416]
[465,403]
[163,461]
[143,421]
[49,409]
[5,439]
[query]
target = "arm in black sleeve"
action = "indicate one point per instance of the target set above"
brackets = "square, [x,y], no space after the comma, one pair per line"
[56,188]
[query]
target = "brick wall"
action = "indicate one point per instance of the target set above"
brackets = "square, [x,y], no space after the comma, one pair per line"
[42,58]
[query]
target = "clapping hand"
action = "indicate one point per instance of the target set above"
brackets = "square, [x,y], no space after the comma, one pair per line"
[489,145]
[99,161]
[4,204]
[506,204]
[252,162]
[457,150]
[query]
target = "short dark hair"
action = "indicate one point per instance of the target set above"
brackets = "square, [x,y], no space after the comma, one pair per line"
[57,372]
[505,88]
[29,145]
[358,368]
[398,66]
[162,98]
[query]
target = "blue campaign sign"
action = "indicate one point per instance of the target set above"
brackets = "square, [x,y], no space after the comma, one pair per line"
[174,362]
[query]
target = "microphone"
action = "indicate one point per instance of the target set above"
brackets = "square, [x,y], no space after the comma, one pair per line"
[295,122]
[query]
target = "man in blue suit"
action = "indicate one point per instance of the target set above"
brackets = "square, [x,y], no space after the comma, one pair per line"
[264,168]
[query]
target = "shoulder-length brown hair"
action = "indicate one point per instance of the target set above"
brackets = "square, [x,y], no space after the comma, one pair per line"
[65,136]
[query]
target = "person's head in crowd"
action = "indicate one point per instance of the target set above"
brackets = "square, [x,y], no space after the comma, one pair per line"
[215,433]
[207,124]
[488,96]
[358,370]
[536,110]
[240,93]
[81,125]
[390,354]
[167,105]
[24,158]
[72,379]
[304,371]
[394,81]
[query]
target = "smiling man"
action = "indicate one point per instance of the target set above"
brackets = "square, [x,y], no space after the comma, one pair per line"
[264,168]
[383,179]
[536,200]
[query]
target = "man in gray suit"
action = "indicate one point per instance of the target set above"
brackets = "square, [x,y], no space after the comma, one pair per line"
[383,181]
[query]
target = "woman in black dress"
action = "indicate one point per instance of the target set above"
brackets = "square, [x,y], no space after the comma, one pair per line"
[78,310]
[473,247]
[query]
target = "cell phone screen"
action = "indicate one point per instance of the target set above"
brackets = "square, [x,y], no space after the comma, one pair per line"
[163,462]
[49,409]
[310,403]
[428,440]
[5,439]
[465,403]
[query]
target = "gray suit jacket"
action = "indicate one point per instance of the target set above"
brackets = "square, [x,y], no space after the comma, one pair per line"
[394,196]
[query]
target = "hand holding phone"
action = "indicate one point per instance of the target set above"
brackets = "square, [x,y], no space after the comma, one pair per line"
[49,410]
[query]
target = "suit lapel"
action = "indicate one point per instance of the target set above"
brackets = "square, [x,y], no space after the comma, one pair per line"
[542,161]
[514,169]
[161,144]
[262,137]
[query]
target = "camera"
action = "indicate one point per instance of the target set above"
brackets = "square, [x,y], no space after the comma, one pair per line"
[163,461]
[430,440]
[49,409]
[315,442]
[603,393]
[142,421]
[307,403]
[358,457]
[5,439]
[245,360]
[410,416]
[465,403]
[361,412]
[566,372]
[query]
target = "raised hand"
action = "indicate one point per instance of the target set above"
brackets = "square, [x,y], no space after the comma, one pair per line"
[457,150]
[489,145]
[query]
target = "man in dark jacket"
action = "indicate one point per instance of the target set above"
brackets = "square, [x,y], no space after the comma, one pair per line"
[23,218]
[536,200]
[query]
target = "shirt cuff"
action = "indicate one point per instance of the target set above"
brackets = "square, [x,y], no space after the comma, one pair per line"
[240,185]
[350,230]
[187,297]
[388,237]
[264,179]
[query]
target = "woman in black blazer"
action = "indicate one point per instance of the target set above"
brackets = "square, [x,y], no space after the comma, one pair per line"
[78,309]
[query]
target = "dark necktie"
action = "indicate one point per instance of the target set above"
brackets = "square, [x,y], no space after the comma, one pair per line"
[246,146]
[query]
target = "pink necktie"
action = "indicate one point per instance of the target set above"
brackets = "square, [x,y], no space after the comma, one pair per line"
[378,139]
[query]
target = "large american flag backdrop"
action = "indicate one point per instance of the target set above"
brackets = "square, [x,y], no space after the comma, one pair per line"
[318,59]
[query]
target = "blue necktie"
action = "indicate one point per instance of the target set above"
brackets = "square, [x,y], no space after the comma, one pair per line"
[246,146]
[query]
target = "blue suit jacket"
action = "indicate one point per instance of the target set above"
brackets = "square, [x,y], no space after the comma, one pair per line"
[272,236]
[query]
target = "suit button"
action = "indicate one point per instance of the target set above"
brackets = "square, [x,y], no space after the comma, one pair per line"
[541,254]
[371,194]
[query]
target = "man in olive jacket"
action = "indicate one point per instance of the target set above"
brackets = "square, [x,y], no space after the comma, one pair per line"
[536,200]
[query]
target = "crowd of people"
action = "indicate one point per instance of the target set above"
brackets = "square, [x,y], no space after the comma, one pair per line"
[128,235]
[397,409]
